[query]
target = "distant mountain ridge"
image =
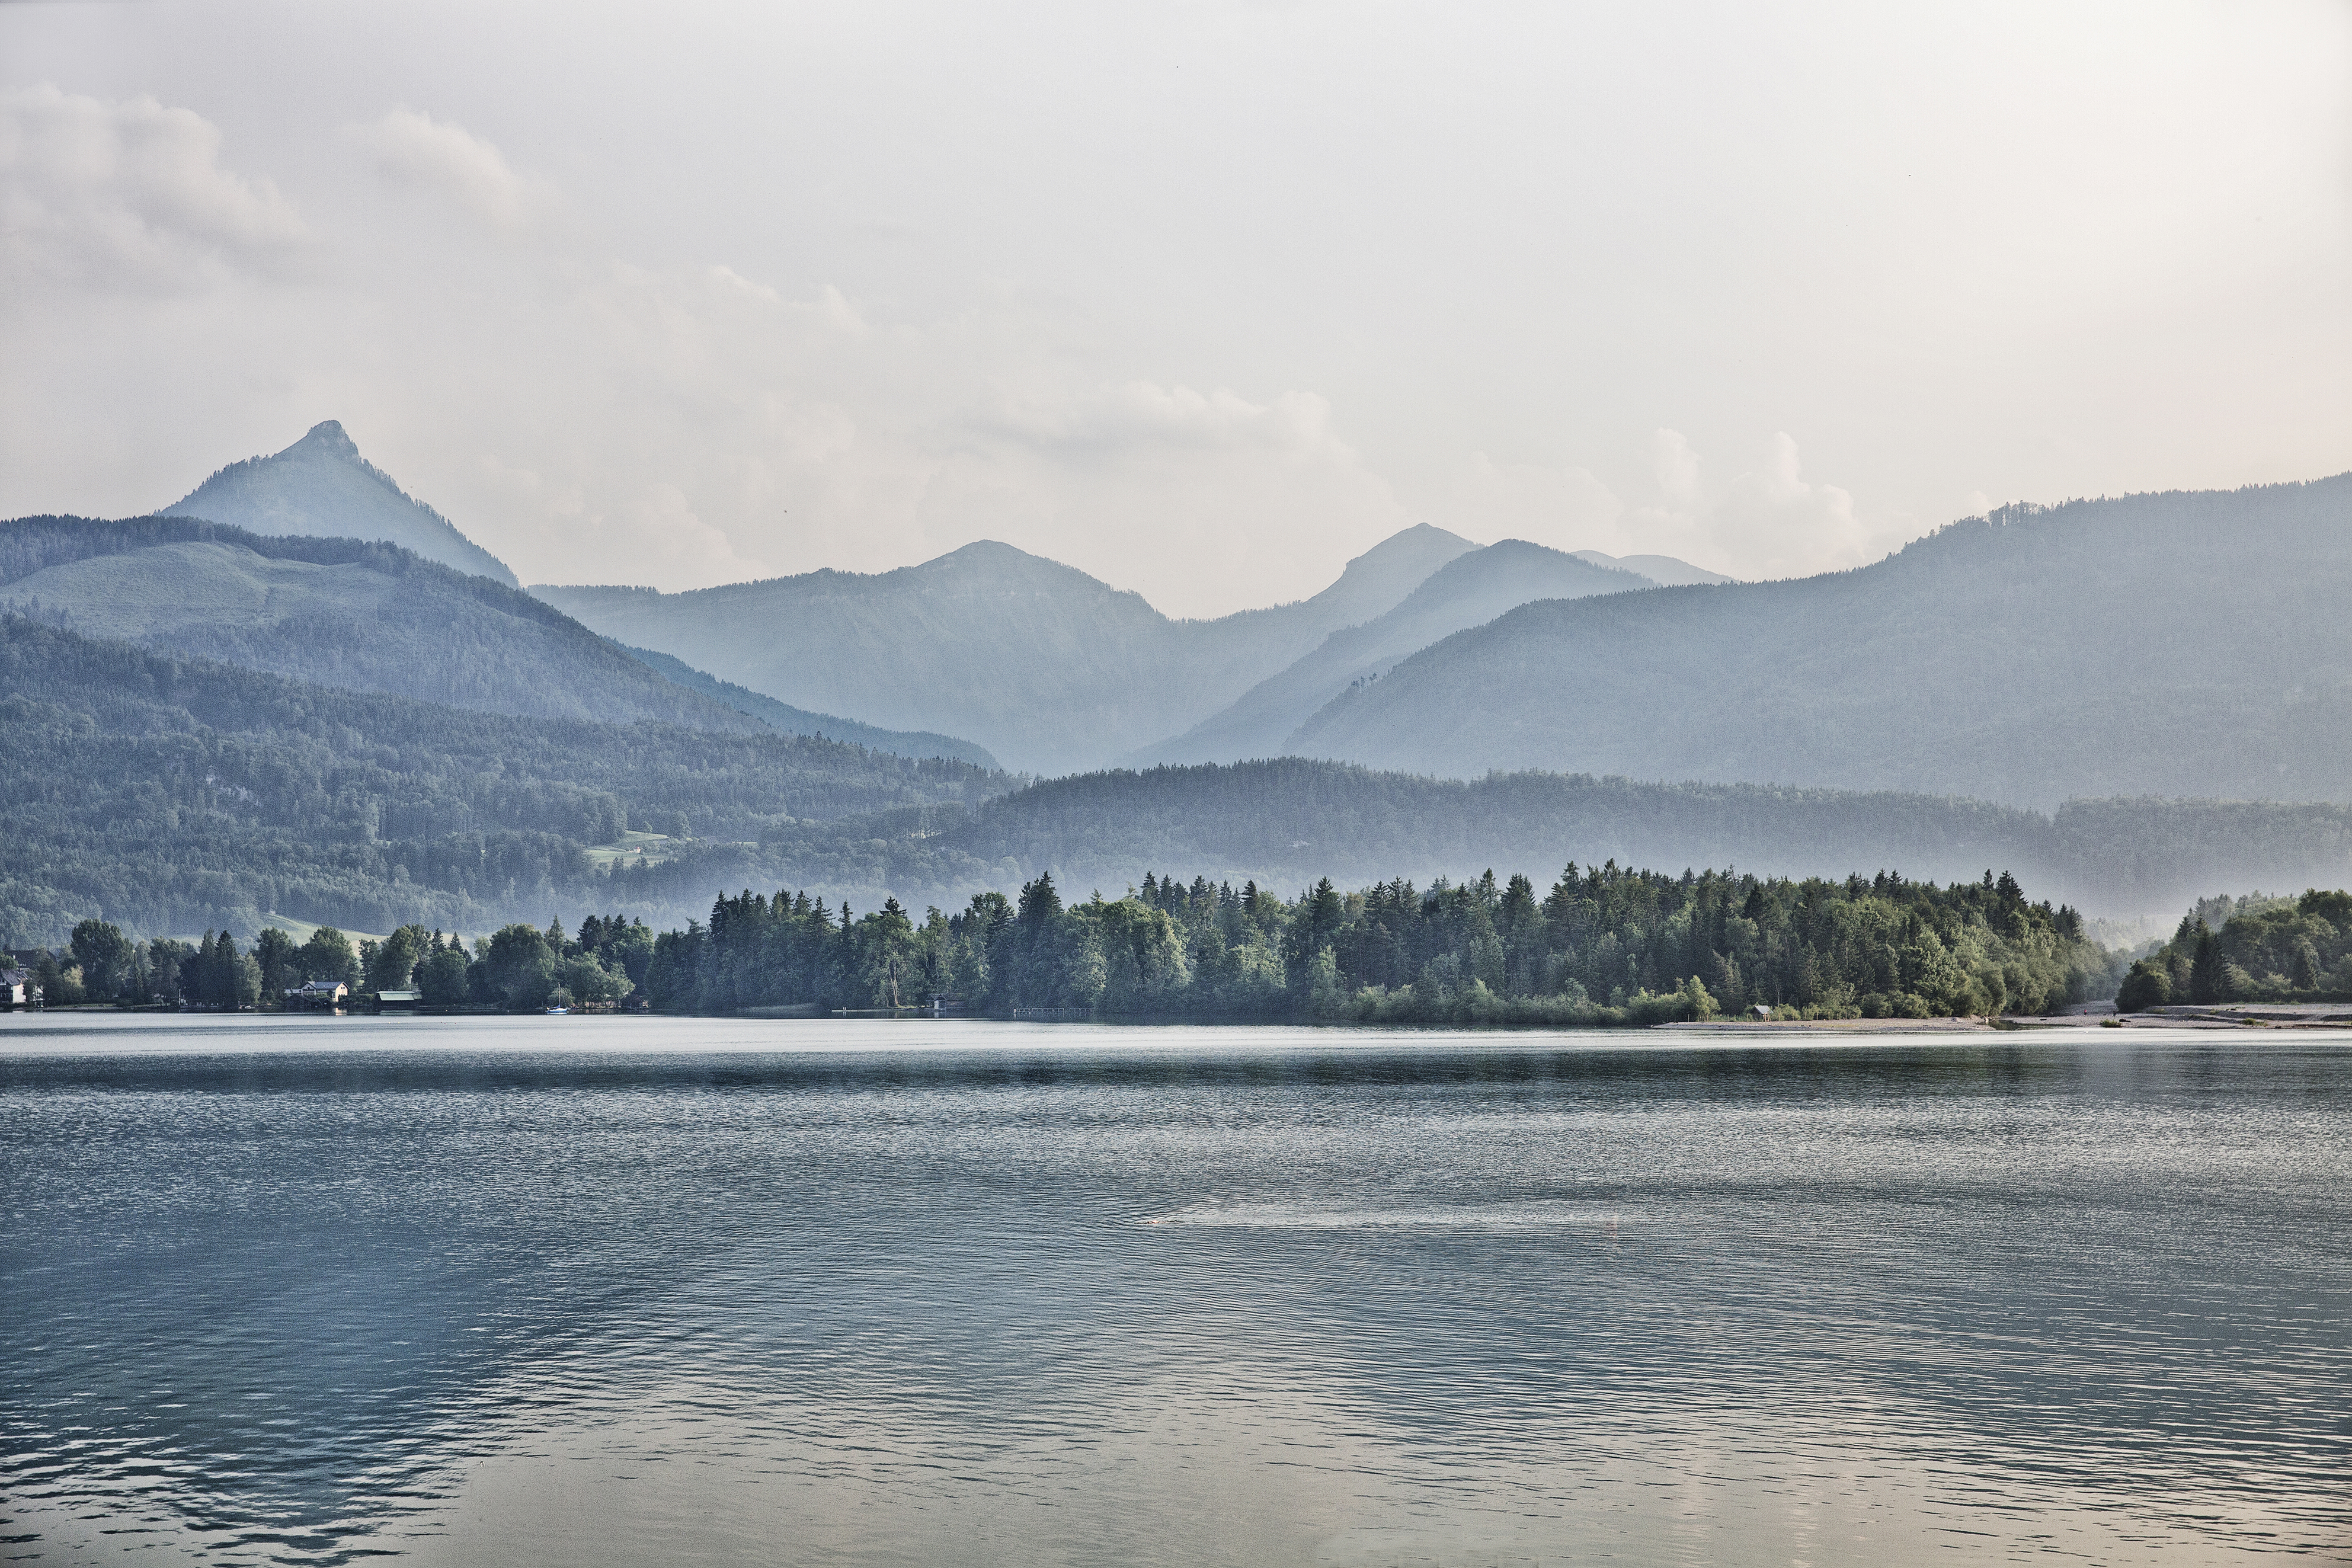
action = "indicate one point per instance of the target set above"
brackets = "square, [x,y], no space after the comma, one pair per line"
[320,487]
[1467,591]
[1045,666]
[2184,643]
[801,721]
[1666,571]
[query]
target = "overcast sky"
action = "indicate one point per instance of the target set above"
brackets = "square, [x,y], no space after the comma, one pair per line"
[1200,298]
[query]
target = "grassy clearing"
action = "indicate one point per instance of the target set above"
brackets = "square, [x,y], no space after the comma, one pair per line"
[635,849]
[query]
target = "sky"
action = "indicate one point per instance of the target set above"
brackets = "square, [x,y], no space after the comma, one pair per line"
[1204,299]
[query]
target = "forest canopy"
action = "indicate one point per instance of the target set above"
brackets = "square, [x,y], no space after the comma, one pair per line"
[1602,945]
[2265,950]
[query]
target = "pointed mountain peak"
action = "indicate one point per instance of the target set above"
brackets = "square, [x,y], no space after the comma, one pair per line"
[321,485]
[327,435]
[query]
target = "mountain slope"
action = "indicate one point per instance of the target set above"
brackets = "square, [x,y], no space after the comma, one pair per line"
[1369,585]
[1468,591]
[322,487]
[1666,571]
[2183,643]
[337,612]
[1045,666]
[170,794]
[801,721]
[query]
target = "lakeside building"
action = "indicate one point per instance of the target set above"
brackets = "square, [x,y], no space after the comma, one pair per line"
[319,993]
[19,989]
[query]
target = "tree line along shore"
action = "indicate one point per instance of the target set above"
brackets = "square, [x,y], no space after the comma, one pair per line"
[1603,945]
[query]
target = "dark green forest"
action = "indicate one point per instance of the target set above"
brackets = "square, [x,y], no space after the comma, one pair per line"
[1602,945]
[2264,949]
[169,795]
[514,969]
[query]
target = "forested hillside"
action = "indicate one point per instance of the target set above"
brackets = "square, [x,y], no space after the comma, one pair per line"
[1468,591]
[1044,666]
[2183,643]
[322,487]
[337,611]
[1286,823]
[169,795]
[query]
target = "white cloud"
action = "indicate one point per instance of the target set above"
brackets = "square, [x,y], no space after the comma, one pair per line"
[1765,519]
[1098,277]
[1205,502]
[130,196]
[413,150]
[1567,508]
[783,431]
[1674,467]
[1780,525]
[657,524]
[1139,413]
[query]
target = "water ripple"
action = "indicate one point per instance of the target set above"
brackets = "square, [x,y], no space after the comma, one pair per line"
[489,1292]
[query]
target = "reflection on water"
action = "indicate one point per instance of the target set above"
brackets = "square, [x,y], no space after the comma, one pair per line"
[621,1291]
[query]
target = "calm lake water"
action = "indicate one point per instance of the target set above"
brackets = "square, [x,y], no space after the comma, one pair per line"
[622,1291]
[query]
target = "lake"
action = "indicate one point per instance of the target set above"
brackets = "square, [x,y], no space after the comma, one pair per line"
[628,1290]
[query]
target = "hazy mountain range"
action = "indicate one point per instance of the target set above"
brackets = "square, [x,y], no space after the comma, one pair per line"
[371,617]
[171,794]
[1291,821]
[1666,570]
[1467,591]
[207,721]
[2182,644]
[1047,667]
[337,612]
[801,721]
[1057,672]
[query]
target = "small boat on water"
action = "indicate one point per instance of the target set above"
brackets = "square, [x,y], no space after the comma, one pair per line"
[557,1012]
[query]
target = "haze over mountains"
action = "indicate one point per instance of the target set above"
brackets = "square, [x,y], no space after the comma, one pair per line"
[1467,591]
[337,729]
[1291,821]
[286,586]
[1666,570]
[1050,669]
[801,721]
[2181,643]
[337,612]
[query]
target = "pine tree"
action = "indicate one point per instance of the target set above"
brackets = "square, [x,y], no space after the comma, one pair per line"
[2205,983]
